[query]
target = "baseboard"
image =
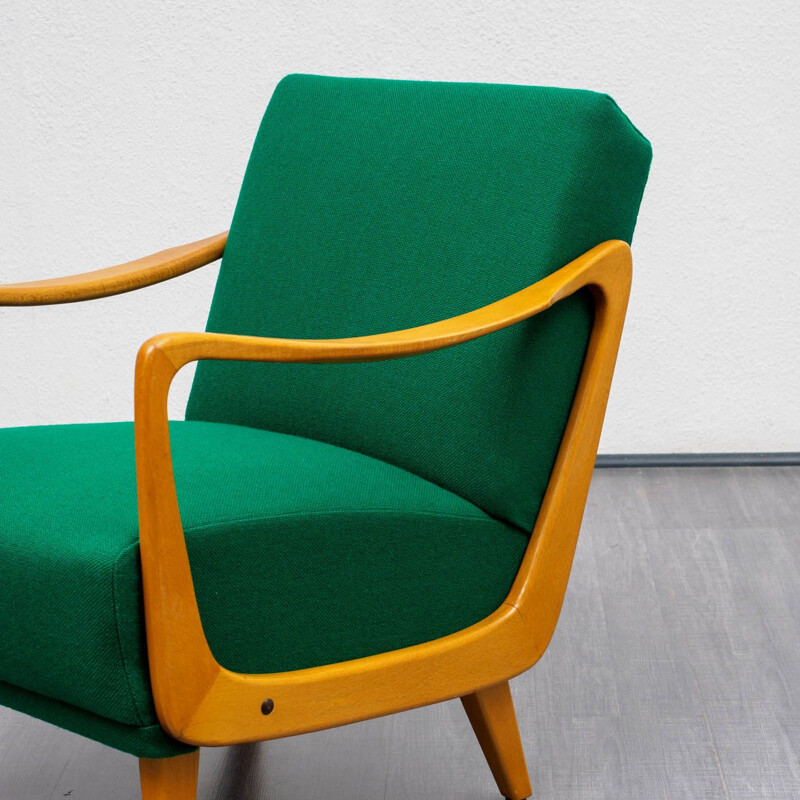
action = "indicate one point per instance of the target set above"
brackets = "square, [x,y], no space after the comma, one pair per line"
[699,460]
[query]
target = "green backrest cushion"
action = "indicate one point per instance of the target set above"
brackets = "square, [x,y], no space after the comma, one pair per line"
[375,205]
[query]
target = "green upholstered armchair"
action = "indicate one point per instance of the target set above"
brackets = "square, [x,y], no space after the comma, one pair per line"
[322,539]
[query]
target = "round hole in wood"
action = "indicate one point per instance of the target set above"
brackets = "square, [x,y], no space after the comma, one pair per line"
[267,706]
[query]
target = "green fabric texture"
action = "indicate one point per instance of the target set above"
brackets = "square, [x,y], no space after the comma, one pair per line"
[149,741]
[374,205]
[302,553]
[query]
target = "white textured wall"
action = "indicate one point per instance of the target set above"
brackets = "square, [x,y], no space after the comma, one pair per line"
[125,128]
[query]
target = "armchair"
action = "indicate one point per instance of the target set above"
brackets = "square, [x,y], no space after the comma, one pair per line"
[326,540]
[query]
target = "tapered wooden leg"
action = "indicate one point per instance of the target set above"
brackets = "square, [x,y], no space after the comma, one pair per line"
[170,778]
[491,713]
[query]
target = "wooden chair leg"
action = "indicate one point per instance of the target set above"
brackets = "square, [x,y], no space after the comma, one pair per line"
[170,778]
[491,713]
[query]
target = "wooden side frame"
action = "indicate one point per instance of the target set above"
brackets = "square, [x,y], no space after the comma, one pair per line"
[200,702]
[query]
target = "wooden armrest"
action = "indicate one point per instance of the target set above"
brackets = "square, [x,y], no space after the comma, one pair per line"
[182,348]
[115,280]
[201,702]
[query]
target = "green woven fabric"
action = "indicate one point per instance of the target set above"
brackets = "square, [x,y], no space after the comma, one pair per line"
[373,205]
[145,741]
[302,554]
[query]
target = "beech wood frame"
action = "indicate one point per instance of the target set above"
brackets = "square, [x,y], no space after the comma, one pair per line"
[200,702]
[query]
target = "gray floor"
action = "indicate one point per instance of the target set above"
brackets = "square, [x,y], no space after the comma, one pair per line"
[674,673]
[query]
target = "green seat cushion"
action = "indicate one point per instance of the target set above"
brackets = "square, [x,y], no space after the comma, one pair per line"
[303,553]
[374,205]
[146,741]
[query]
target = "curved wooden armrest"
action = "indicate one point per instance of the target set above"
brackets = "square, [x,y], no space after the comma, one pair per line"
[201,702]
[183,348]
[115,280]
